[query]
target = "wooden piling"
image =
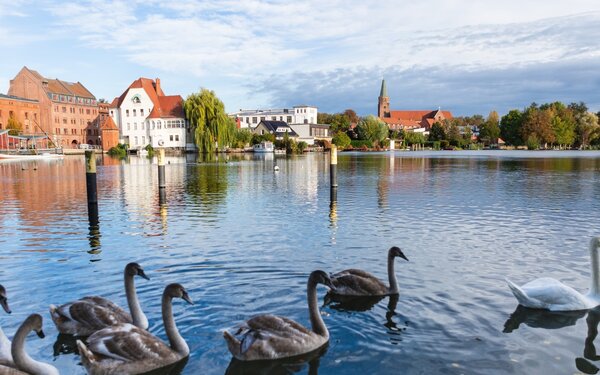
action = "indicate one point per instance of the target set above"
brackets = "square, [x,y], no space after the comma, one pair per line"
[333,173]
[90,177]
[161,168]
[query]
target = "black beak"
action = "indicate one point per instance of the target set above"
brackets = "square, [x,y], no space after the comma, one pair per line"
[330,285]
[187,298]
[40,334]
[4,304]
[142,274]
[403,257]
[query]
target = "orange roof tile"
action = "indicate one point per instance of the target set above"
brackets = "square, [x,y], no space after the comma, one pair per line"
[109,124]
[169,106]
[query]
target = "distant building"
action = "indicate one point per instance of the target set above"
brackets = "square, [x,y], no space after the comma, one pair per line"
[66,109]
[146,116]
[408,120]
[310,132]
[277,128]
[300,114]
[25,111]
[109,133]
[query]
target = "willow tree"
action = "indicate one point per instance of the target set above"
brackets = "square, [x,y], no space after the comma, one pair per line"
[212,127]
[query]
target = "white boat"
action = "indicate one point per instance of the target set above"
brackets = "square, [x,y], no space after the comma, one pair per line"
[264,147]
[30,156]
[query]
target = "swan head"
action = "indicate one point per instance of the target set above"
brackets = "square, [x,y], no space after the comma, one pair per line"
[4,300]
[178,291]
[134,269]
[321,277]
[396,252]
[35,322]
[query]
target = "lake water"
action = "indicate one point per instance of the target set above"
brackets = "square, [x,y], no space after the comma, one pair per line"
[242,239]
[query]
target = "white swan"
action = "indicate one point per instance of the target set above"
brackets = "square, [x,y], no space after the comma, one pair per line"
[127,349]
[359,283]
[550,294]
[267,337]
[90,314]
[24,364]
[5,356]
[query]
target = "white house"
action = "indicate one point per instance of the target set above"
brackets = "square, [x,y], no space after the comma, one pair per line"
[146,116]
[300,114]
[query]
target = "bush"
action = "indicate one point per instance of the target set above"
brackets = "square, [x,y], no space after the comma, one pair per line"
[119,151]
[533,143]
[341,140]
[362,144]
[444,144]
[302,146]
[150,150]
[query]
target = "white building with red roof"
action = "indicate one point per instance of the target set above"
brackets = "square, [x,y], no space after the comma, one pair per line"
[146,116]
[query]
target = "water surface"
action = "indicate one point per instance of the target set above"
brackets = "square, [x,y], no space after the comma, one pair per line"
[242,239]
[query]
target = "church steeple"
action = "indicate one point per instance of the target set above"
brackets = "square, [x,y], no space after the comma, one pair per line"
[383,92]
[383,109]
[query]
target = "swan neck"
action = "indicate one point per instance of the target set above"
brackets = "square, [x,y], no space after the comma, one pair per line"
[392,275]
[22,360]
[137,315]
[595,287]
[316,321]
[177,342]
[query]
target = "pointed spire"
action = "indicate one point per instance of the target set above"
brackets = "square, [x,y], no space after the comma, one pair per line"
[383,92]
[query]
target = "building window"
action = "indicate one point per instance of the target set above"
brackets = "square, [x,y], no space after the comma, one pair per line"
[64,120]
[26,115]
[134,114]
[136,99]
[64,109]
[65,131]
[143,140]
[171,137]
[35,116]
[135,126]
[128,126]
[274,118]
[142,112]
[254,120]
[262,119]
[127,112]
[135,140]
[289,119]
[177,138]
[143,125]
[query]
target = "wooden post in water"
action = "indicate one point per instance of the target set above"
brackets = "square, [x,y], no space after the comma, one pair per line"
[90,177]
[161,168]
[333,173]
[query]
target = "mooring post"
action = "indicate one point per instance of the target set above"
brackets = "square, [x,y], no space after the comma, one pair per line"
[161,168]
[333,173]
[90,177]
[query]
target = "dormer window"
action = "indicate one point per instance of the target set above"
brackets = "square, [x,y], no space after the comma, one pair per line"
[136,99]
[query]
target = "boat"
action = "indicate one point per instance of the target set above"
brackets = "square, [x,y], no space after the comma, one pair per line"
[30,156]
[264,147]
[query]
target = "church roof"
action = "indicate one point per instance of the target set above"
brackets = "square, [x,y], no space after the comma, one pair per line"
[383,93]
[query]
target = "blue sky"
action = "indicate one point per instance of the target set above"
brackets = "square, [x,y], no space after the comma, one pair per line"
[465,56]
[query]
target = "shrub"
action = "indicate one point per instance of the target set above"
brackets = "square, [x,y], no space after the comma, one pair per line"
[302,146]
[150,150]
[356,143]
[533,143]
[119,151]
[341,140]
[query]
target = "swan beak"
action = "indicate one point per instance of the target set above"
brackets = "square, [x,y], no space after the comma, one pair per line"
[141,273]
[40,334]
[4,303]
[187,299]
[403,257]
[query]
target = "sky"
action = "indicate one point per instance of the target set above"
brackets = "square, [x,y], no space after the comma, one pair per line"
[466,56]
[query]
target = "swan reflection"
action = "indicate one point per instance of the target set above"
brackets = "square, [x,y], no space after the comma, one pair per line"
[537,318]
[589,352]
[276,367]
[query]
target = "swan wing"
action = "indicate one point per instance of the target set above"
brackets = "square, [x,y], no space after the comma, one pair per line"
[357,282]
[92,315]
[270,336]
[127,342]
[554,295]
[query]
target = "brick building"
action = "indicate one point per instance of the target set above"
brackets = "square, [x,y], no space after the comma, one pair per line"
[407,120]
[109,133]
[67,110]
[25,111]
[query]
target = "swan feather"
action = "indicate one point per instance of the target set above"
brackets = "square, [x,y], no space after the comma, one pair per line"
[354,282]
[550,294]
[87,315]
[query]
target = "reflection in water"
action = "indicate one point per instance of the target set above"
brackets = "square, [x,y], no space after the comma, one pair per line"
[589,352]
[94,228]
[537,318]
[207,184]
[65,344]
[276,367]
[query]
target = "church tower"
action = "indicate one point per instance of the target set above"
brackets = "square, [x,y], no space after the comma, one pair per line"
[383,109]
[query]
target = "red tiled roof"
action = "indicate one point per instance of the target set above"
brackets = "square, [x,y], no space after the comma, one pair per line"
[169,106]
[57,86]
[114,103]
[109,124]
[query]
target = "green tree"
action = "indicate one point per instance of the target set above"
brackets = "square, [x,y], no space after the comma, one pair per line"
[14,126]
[538,122]
[437,132]
[489,131]
[211,125]
[510,127]
[339,122]
[453,134]
[242,138]
[372,129]
[564,131]
[341,140]
[412,138]
[587,128]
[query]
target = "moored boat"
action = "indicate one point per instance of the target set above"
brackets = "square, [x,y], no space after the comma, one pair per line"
[264,147]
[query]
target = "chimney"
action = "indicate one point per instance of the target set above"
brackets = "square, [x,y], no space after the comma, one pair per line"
[158,85]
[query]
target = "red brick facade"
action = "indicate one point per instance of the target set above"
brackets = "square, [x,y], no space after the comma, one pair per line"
[67,110]
[26,111]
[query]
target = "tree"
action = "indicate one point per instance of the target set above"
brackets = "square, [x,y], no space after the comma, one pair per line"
[352,116]
[242,138]
[211,125]
[339,122]
[510,127]
[453,134]
[437,132]
[412,138]
[15,127]
[587,128]
[564,131]
[489,131]
[341,140]
[372,129]
[538,122]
